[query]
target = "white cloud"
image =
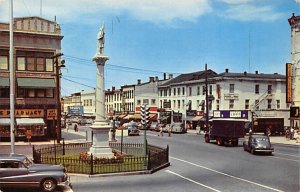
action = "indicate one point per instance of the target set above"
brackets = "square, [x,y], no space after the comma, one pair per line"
[250,13]
[156,11]
[234,2]
[297,1]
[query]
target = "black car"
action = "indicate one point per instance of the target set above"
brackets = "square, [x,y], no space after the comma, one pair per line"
[17,171]
[258,143]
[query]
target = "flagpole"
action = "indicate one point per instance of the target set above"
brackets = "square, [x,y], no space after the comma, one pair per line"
[11,78]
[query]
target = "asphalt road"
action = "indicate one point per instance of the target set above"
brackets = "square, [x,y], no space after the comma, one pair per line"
[199,166]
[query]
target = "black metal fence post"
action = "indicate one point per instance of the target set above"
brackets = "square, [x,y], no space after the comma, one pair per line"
[92,165]
[167,153]
[64,151]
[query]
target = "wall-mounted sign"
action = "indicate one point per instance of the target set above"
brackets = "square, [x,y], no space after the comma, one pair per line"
[23,113]
[191,112]
[289,74]
[231,96]
[231,114]
[75,110]
[51,114]
[295,112]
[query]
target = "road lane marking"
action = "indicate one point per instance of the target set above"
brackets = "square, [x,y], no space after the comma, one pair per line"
[285,159]
[225,174]
[193,181]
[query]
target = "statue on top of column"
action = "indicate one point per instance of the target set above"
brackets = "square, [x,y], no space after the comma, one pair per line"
[100,37]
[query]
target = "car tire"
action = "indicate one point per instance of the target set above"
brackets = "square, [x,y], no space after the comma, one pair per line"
[252,151]
[219,141]
[48,185]
[206,138]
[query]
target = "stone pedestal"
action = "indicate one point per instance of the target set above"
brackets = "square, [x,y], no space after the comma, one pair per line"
[100,147]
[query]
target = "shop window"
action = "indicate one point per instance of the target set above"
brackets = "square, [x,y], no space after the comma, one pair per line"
[3,63]
[40,66]
[49,93]
[30,64]
[30,93]
[4,92]
[21,63]
[40,93]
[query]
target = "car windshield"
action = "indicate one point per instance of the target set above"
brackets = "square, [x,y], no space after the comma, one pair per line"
[27,162]
[261,139]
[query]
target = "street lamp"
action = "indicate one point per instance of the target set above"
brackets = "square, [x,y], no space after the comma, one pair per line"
[57,73]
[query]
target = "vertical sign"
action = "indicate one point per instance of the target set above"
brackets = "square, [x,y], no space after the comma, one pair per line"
[289,74]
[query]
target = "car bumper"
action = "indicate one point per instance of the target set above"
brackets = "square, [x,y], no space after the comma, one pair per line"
[264,150]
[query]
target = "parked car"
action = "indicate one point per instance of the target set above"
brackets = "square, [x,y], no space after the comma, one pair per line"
[17,171]
[178,128]
[258,143]
[132,128]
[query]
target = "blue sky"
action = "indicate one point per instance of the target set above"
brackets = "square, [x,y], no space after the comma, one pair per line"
[148,37]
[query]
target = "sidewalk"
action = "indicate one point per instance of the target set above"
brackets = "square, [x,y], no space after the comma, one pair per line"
[273,139]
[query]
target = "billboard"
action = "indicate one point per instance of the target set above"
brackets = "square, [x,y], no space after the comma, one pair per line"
[75,110]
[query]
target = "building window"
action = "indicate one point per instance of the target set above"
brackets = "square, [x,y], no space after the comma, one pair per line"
[231,103]
[174,103]
[30,64]
[3,63]
[218,104]
[256,89]
[30,93]
[178,104]
[153,101]
[4,92]
[231,88]
[190,91]
[247,104]
[40,65]
[278,104]
[138,102]
[210,89]
[145,101]
[161,93]
[21,63]
[49,65]
[256,104]
[183,91]
[198,90]
[174,91]
[203,90]
[40,93]
[269,89]
[183,103]
[170,92]
[269,103]
[178,91]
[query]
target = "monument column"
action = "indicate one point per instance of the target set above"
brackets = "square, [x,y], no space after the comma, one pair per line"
[101,127]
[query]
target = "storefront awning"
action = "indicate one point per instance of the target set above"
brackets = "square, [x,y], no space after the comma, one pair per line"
[122,116]
[136,116]
[197,118]
[34,83]
[4,82]
[153,116]
[30,121]
[4,121]
[128,117]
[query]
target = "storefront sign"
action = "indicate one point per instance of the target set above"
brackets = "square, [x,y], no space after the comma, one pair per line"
[51,114]
[295,112]
[231,114]
[231,97]
[289,75]
[23,113]
[75,110]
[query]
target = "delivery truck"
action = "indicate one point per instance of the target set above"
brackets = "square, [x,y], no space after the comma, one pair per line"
[225,131]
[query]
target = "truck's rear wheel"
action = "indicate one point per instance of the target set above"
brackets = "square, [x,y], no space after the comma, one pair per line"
[219,141]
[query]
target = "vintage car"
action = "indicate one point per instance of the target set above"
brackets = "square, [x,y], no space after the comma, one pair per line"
[132,128]
[17,171]
[178,128]
[258,143]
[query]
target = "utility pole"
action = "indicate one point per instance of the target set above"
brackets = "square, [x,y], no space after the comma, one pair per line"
[12,77]
[206,98]
[57,73]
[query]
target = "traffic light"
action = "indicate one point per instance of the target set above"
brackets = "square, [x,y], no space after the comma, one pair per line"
[144,114]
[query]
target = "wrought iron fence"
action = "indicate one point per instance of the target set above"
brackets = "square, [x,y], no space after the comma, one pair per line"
[129,158]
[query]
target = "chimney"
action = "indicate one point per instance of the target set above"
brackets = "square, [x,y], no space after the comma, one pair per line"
[165,76]
[256,72]
[151,79]
[156,78]
[226,70]
[170,76]
[138,81]
[113,88]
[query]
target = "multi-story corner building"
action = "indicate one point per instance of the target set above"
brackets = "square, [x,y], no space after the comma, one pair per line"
[72,105]
[147,94]
[113,101]
[88,101]
[128,105]
[36,41]
[242,93]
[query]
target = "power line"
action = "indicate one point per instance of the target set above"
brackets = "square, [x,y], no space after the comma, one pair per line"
[78,83]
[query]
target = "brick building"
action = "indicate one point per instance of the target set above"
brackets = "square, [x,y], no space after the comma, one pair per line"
[36,41]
